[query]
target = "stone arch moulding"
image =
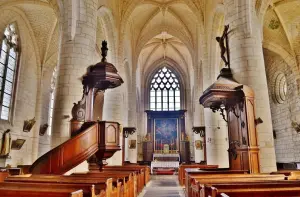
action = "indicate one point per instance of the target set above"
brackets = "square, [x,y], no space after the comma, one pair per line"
[287,57]
[107,20]
[178,72]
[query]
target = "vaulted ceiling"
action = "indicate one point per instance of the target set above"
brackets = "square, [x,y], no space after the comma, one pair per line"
[282,25]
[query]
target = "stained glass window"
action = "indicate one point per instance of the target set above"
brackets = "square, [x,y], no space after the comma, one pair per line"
[164,91]
[8,68]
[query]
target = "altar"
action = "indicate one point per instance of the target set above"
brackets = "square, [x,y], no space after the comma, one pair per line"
[166,161]
[164,164]
[166,157]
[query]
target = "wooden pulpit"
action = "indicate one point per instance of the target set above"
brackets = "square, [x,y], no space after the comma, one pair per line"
[235,102]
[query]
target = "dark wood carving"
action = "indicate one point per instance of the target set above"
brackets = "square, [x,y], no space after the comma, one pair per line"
[237,102]
[185,151]
[147,151]
[100,138]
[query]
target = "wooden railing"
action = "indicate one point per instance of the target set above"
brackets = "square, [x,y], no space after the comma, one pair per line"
[69,154]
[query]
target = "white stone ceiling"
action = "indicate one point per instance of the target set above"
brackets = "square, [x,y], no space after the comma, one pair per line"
[162,47]
[163,30]
[287,15]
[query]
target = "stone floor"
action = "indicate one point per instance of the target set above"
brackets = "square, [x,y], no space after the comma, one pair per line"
[163,186]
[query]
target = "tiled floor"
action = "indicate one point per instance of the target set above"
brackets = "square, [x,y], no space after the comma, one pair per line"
[163,186]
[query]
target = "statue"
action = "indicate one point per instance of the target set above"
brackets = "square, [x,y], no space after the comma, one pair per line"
[224,48]
[6,143]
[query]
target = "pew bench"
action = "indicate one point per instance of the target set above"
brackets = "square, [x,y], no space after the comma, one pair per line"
[182,167]
[190,172]
[128,187]
[136,169]
[38,192]
[199,184]
[254,189]
[101,184]
[88,190]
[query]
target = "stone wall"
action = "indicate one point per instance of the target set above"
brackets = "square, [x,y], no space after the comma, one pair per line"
[284,108]
[26,89]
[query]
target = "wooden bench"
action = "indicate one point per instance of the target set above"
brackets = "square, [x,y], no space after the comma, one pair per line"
[199,182]
[147,170]
[127,180]
[3,175]
[101,184]
[137,184]
[87,189]
[254,189]
[182,167]
[38,192]
[137,169]
[189,173]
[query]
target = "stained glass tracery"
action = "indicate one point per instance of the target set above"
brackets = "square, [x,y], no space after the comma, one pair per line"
[165,91]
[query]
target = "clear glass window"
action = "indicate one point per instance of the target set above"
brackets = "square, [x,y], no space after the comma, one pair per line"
[164,91]
[8,67]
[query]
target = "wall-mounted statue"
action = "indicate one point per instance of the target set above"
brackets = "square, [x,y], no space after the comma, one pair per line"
[28,124]
[6,143]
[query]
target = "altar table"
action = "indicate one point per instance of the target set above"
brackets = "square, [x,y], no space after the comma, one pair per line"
[164,164]
[166,157]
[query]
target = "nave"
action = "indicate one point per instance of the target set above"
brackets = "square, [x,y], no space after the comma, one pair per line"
[163,186]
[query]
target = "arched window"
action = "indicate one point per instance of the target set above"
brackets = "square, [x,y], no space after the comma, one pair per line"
[8,68]
[164,91]
[51,103]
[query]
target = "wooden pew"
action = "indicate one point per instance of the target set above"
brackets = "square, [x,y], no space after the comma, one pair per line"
[100,183]
[87,189]
[138,169]
[127,180]
[38,192]
[147,170]
[190,172]
[182,167]
[133,184]
[3,175]
[256,188]
[199,182]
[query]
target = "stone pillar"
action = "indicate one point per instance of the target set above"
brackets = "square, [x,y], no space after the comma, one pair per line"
[77,50]
[247,63]
[38,115]
[216,130]
[112,112]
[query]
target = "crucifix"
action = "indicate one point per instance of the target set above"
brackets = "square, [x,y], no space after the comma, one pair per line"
[224,47]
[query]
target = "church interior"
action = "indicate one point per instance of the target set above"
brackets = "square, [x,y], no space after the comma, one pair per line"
[138,98]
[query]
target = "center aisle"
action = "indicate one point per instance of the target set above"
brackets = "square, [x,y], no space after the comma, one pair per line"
[163,186]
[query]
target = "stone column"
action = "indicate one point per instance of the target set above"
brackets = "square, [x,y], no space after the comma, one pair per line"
[38,115]
[112,112]
[247,63]
[216,130]
[77,50]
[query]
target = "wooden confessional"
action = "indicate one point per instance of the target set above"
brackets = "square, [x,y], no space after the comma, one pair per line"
[91,140]
[235,102]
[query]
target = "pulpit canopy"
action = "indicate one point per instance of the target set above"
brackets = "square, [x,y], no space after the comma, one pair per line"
[102,75]
[224,92]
